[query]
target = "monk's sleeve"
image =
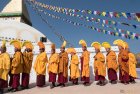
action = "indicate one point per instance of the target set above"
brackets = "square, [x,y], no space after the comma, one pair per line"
[119,59]
[30,59]
[101,58]
[132,58]
[54,59]
[75,59]
[86,59]
[16,60]
[66,59]
[44,58]
[113,56]
[31,56]
[7,62]
[1,63]
[42,61]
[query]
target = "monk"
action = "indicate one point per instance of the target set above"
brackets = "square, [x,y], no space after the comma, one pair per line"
[16,66]
[99,65]
[132,64]
[111,62]
[53,66]
[63,66]
[28,58]
[118,42]
[4,67]
[85,58]
[123,62]
[74,68]
[40,65]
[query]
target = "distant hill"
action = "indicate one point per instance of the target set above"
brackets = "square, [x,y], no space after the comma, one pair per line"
[138,59]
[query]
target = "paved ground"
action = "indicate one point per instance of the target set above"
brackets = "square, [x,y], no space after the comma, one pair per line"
[80,89]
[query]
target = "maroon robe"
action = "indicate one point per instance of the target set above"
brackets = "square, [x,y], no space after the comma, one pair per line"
[96,76]
[120,75]
[112,75]
[25,79]
[40,80]
[16,81]
[11,79]
[125,77]
[3,84]
[62,79]
[52,77]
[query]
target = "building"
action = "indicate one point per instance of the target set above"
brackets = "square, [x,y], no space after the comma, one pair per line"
[16,10]
[15,24]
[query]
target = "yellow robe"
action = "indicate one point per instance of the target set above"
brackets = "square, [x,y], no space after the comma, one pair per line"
[40,64]
[17,63]
[124,62]
[63,64]
[111,61]
[28,58]
[132,65]
[119,60]
[74,68]
[99,64]
[53,63]
[4,65]
[86,59]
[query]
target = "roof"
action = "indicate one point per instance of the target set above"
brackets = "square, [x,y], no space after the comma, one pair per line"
[16,8]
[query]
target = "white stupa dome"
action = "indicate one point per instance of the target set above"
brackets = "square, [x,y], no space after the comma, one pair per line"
[16,30]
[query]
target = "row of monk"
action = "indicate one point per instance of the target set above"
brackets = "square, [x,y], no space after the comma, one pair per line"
[21,63]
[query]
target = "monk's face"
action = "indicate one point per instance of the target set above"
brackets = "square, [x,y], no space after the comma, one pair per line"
[120,48]
[107,49]
[16,49]
[52,51]
[3,49]
[84,48]
[97,50]
[62,49]
[41,50]
[28,50]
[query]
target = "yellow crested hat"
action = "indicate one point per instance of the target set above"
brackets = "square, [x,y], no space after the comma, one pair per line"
[126,45]
[96,45]
[41,45]
[83,43]
[28,44]
[106,45]
[16,44]
[119,42]
[3,43]
[64,44]
[71,50]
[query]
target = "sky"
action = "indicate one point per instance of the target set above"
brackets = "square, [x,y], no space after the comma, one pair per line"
[74,33]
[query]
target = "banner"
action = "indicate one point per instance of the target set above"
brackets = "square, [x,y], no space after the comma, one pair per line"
[129,16]
[120,34]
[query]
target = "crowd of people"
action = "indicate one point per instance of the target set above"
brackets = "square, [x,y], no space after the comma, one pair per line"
[57,65]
